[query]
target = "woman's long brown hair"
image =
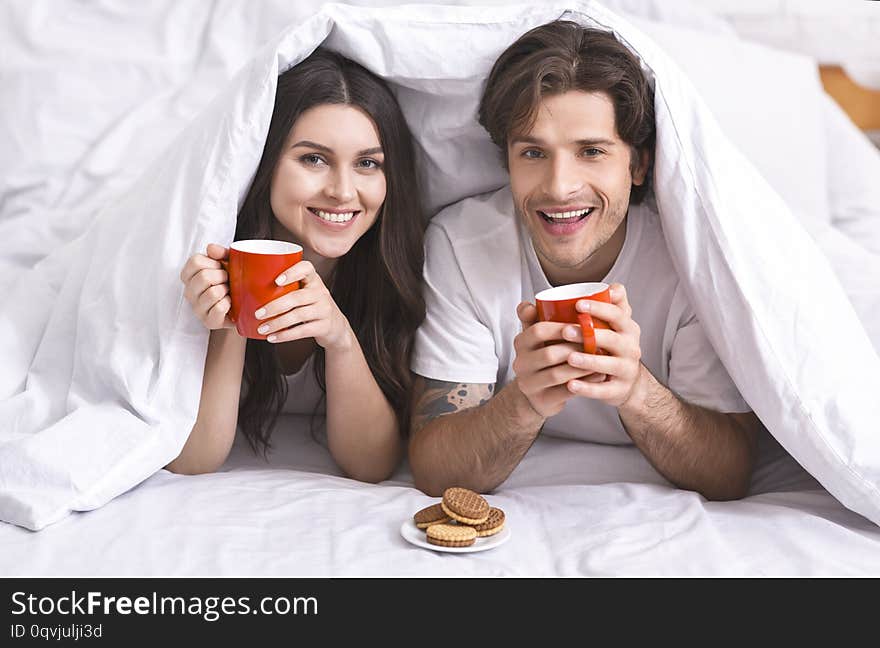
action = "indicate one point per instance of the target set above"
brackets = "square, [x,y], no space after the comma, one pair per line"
[378,283]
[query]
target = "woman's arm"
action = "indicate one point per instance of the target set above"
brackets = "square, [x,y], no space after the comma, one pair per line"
[206,288]
[362,429]
[361,426]
[212,435]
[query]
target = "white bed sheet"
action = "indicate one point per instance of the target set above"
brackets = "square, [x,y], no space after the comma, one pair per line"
[574,510]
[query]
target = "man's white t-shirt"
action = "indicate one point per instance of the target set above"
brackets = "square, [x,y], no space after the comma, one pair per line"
[480,263]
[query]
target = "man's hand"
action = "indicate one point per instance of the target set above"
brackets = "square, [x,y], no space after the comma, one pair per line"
[542,370]
[622,364]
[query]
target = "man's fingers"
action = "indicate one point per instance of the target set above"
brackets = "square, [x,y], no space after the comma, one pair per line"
[604,391]
[616,344]
[611,314]
[602,364]
[554,377]
[556,354]
[527,314]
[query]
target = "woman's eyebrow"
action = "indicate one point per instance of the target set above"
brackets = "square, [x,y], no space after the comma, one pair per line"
[326,149]
[309,144]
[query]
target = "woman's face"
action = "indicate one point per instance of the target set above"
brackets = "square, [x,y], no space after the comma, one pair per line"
[329,183]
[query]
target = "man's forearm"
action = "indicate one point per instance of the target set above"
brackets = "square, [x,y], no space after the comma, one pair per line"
[477,447]
[694,448]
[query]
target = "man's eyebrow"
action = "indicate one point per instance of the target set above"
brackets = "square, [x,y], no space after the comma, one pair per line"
[320,147]
[595,142]
[528,139]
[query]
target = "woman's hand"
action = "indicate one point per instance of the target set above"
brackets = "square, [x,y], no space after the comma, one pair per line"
[309,312]
[206,288]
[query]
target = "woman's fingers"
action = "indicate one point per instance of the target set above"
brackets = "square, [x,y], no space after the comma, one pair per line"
[285,303]
[203,280]
[195,264]
[303,331]
[217,252]
[216,317]
[210,297]
[293,317]
[303,271]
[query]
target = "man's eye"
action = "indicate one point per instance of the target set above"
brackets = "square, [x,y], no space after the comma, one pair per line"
[592,152]
[532,154]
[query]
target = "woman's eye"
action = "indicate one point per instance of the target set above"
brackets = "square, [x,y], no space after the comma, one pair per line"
[532,154]
[369,164]
[312,159]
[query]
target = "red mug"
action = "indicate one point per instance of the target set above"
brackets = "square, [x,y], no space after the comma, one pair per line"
[253,267]
[558,305]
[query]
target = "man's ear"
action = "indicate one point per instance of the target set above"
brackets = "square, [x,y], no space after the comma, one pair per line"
[640,170]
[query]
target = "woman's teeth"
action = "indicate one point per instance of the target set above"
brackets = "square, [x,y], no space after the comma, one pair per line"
[333,218]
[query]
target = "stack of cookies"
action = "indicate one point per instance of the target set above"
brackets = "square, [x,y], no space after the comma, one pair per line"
[461,518]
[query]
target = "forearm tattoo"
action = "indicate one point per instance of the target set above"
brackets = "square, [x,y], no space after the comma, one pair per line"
[437,398]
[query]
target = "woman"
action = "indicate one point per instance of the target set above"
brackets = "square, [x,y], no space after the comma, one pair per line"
[336,177]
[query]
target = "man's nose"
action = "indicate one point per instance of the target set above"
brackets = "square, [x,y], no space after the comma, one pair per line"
[341,186]
[565,179]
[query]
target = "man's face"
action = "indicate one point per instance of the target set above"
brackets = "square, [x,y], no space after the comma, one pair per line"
[570,177]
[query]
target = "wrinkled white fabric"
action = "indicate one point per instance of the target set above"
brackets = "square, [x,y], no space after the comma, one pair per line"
[103,358]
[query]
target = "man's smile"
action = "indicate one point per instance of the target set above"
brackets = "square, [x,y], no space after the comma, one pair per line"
[565,220]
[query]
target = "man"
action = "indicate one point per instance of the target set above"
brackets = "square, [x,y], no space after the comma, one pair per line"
[572,113]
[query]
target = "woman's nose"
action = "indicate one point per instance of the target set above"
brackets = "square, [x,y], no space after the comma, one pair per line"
[341,186]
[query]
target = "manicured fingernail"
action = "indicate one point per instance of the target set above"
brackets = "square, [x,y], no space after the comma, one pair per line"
[570,332]
[260,313]
[280,280]
[271,338]
[263,329]
[583,306]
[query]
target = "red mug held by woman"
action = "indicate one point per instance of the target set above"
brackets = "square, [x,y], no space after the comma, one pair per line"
[558,305]
[253,266]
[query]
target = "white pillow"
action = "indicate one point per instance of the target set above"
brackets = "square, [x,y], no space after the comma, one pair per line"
[768,103]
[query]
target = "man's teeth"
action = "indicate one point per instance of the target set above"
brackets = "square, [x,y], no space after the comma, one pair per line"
[569,214]
[334,218]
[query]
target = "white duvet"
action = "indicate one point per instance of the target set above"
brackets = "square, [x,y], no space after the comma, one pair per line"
[103,365]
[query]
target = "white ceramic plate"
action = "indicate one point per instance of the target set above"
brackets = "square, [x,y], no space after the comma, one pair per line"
[413,534]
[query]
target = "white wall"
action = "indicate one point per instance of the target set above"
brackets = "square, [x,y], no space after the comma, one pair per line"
[833,31]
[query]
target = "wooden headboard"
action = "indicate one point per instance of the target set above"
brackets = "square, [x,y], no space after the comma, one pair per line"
[860,103]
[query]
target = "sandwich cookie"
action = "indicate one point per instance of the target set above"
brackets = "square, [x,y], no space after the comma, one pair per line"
[451,535]
[429,516]
[465,506]
[493,524]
